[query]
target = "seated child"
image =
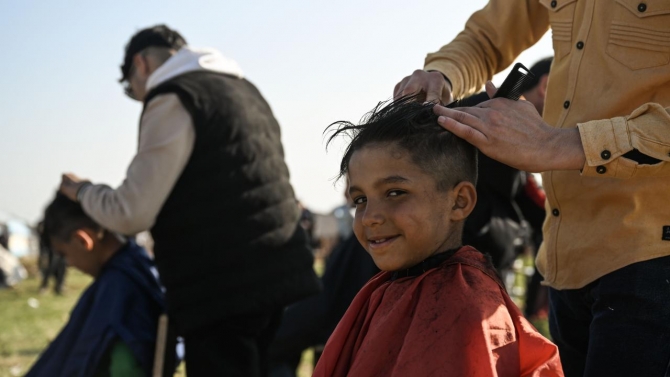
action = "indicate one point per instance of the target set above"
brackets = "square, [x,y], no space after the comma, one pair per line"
[437,308]
[112,329]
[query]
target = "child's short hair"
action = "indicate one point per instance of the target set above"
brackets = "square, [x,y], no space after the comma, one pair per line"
[63,216]
[412,126]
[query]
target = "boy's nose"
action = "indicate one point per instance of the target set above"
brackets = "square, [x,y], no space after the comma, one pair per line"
[372,216]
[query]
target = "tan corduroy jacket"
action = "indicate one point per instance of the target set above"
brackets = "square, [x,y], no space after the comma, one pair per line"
[611,79]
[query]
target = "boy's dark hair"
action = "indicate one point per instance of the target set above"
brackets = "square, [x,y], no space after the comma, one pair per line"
[63,216]
[412,126]
[155,36]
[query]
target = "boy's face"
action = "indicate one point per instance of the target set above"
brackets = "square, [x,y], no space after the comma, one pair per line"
[78,251]
[401,217]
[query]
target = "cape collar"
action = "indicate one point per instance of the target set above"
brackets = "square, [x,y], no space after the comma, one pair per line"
[428,263]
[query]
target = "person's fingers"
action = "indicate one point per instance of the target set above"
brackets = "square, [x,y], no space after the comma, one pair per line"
[490,89]
[434,90]
[411,87]
[65,180]
[463,124]
[399,87]
[396,88]
[477,112]
[464,131]
[459,115]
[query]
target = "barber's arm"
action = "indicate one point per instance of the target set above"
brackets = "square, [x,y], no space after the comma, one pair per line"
[492,39]
[513,133]
[166,141]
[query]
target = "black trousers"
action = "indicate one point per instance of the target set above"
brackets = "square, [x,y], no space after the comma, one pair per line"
[618,325]
[56,266]
[236,346]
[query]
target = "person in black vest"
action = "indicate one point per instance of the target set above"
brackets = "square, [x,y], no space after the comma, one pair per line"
[210,181]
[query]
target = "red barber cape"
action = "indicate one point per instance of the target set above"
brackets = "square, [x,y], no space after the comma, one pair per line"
[452,320]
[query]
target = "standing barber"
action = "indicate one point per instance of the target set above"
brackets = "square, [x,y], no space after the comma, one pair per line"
[210,181]
[604,148]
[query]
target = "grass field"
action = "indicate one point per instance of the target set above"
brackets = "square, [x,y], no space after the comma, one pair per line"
[29,320]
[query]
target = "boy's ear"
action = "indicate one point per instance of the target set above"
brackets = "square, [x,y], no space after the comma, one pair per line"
[465,196]
[84,238]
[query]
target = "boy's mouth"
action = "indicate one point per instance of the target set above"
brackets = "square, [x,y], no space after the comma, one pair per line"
[376,242]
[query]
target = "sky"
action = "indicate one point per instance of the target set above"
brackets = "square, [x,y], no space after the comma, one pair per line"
[316,62]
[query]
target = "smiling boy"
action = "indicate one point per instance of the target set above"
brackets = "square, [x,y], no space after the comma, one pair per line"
[112,329]
[437,308]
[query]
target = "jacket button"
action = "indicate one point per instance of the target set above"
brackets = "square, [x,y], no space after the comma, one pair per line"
[555,212]
[601,169]
[554,3]
[605,154]
[580,45]
[566,104]
[641,7]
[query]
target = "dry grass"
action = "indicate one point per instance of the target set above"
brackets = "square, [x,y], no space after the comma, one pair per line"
[26,330]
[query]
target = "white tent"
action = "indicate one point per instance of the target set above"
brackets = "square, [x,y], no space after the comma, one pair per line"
[11,269]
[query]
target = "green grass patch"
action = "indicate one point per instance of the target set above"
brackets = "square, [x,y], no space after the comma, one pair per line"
[30,320]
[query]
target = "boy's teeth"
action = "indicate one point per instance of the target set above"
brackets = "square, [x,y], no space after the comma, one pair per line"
[379,241]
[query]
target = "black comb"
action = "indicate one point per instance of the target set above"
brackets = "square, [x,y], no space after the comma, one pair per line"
[515,84]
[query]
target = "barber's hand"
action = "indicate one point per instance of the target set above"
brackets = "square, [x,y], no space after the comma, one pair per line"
[432,84]
[513,133]
[70,185]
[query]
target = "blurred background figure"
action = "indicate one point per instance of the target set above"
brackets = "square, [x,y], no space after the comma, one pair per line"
[344,217]
[309,323]
[51,265]
[307,222]
[507,220]
[11,269]
[210,181]
[112,329]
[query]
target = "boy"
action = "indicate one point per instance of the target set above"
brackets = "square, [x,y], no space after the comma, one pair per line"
[437,308]
[112,329]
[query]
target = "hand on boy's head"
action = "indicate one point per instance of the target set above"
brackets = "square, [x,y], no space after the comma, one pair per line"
[513,133]
[70,185]
[433,84]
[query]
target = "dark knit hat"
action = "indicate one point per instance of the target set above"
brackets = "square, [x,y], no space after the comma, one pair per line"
[155,36]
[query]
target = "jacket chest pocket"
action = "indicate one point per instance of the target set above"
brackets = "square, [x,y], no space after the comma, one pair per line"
[561,18]
[640,34]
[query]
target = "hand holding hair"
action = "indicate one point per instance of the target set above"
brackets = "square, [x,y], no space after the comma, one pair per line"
[433,84]
[513,133]
[70,185]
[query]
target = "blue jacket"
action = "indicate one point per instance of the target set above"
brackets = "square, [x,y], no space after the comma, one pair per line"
[122,304]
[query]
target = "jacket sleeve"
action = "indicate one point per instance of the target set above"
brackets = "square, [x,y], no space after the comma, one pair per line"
[606,141]
[166,141]
[492,39]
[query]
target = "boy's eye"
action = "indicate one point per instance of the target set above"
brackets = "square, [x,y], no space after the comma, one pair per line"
[395,193]
[360,200]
